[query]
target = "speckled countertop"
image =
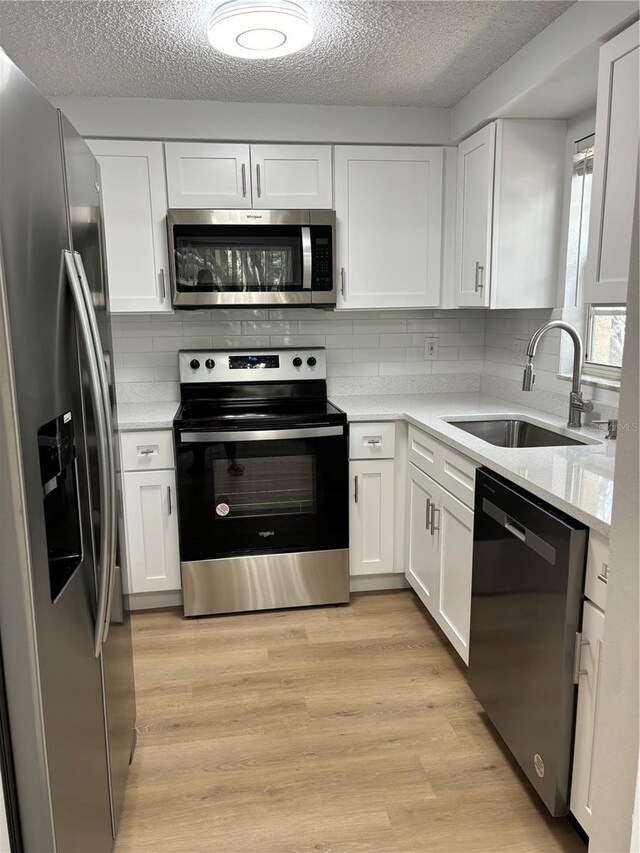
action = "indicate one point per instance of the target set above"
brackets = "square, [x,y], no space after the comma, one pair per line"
[577,480]
[134,416]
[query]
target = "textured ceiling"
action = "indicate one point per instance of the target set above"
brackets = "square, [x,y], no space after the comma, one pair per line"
[364,51]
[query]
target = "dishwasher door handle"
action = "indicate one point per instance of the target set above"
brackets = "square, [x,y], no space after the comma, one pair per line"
[524,534]
[513,527]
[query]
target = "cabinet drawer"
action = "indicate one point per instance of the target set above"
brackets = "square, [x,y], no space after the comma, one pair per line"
[453,470]
[595,587]
[372,441]
[147,451]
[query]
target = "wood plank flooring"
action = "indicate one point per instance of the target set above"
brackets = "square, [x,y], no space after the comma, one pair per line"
[323,730]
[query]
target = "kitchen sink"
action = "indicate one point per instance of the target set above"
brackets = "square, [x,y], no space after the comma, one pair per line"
[515,433]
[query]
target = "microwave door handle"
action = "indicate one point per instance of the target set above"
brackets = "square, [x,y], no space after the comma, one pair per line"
[97,399]
[306,257]
[104,385]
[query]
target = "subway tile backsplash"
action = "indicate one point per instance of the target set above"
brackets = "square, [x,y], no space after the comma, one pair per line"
[368,352]
[370,347]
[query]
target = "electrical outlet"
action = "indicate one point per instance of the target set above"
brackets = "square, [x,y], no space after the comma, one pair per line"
[430,348]
[520,350]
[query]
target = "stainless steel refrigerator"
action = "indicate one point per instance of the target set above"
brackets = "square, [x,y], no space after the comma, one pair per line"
[69,701]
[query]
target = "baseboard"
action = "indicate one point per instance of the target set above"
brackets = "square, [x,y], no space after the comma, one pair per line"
[154,600]
[369,583]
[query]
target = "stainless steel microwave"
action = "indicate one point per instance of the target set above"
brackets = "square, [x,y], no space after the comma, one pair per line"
[252,258]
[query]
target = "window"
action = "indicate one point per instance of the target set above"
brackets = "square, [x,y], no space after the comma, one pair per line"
[605,337]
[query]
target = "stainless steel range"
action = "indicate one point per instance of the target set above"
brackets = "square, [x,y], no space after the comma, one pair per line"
[262,482]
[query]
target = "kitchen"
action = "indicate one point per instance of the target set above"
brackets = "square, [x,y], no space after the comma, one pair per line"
[350,327]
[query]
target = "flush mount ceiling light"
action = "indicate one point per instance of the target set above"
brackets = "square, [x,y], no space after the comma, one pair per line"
[260,29]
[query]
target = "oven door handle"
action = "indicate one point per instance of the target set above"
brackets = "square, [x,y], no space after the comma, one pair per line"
[261,434]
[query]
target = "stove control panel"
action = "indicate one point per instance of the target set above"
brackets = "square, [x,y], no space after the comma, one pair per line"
[263,365]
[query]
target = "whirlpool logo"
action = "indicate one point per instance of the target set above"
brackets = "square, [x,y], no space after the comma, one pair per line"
[266,533]
[254,216]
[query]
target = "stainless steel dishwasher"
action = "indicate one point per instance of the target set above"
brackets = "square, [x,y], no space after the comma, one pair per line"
[528,577]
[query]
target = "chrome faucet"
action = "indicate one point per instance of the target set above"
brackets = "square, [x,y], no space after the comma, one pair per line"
[576,404]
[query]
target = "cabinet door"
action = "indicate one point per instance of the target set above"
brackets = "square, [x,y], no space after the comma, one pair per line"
[291,176]
[588,691]
[151,526]
[389,221]
[422,554]
[134,205]
[614,169]
[453,531]
[207,175]
[371,517]
[476,164]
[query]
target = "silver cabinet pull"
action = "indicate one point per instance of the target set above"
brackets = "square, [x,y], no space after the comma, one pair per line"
[169,500]
[427,520]
[604,574]
[479,284]
[342,281]
[374,441]
[163,289]
[434,510]
[578,645]
[146,451]
[243,170]
[258,181]
[355,488]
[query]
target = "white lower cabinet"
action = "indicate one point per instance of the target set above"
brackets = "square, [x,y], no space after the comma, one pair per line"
[440,552]
[588,693]
[371,527]
[151,529]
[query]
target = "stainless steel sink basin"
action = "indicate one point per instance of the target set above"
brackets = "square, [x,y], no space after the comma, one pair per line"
[515,433]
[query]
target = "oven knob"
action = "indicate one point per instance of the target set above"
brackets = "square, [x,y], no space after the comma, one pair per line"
[297,362]
[311,361]
[209,364]
[194,364]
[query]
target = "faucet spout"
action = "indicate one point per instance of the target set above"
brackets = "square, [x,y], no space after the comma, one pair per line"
[576,403]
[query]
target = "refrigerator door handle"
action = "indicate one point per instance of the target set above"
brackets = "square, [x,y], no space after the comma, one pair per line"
[97,400]
[111,510]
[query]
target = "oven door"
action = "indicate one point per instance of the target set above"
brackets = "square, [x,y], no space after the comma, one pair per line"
[262,491]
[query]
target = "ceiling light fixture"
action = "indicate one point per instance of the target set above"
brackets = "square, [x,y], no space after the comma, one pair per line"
[260,29]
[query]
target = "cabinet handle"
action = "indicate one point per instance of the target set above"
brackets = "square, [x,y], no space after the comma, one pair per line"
[479,277]
[163,289]
[427,520]
[258,182]
[169,502]
[604,574]
[374,441]
[342,282]
[355,488]
[243,169]
[147,451]
[578,645]
[434,510]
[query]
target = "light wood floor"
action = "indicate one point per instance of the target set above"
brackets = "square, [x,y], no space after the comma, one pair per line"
[328,730]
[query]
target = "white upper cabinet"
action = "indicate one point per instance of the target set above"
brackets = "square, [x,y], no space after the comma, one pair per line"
[134,204]
[208,175]
[614,169]
[225,176]
[389,226]
[291,176]
[474,209]
[510,192]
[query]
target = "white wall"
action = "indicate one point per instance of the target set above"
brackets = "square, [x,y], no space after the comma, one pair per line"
[617,737]
[156,118]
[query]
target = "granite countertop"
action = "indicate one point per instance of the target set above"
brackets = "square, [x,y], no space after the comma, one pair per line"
[577,480]
[135,416]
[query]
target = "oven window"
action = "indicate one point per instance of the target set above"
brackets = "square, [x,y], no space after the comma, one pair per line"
[263,485]
[238,259]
